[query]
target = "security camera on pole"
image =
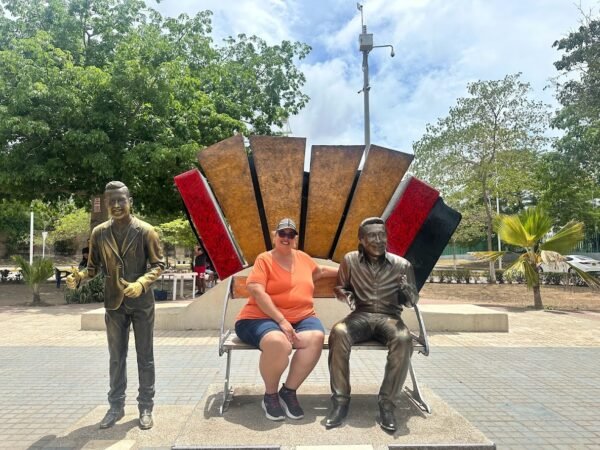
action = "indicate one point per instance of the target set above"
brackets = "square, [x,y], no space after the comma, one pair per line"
[365,41]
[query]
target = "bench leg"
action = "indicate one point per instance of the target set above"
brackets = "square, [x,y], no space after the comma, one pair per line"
[415,394]
[227,390]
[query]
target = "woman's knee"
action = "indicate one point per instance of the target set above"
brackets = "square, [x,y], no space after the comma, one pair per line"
[275,343]
[312,338]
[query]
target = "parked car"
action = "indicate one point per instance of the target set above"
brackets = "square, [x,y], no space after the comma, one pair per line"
[583,263]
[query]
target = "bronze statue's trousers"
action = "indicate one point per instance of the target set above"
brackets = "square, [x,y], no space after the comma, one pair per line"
[363,326]
[138,312]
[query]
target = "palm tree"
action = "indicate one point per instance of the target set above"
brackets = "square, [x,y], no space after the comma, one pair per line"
[34,274]
[527,231]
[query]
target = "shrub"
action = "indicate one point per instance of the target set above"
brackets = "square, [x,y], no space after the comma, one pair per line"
[551,278]
[513,276]
[499,276]
[466,275]
[35,274]
[92,292]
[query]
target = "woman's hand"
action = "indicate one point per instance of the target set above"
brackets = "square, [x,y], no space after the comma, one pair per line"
[288,330]
[267,306]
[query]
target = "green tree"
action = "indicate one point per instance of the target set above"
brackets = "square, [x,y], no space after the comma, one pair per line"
[74,226]
[35,274]
[14,225]
[486,147]
[471,227]
[579,96]
[573,176]
[567,191]
[528,231]
[177,233]
[93,90]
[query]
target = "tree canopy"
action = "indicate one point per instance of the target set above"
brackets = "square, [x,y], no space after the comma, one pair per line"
[486,147]
[579,96]
[96,90]
[572,173]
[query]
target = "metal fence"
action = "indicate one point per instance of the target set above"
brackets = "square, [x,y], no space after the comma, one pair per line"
[590,244]
[461,249]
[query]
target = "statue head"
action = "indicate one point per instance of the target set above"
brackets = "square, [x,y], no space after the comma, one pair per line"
[118,200]
[372,237]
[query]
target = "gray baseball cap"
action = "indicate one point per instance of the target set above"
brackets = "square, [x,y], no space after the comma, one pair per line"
[287,223]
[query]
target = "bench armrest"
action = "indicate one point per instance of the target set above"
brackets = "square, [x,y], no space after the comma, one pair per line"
[422,337]
[223,334]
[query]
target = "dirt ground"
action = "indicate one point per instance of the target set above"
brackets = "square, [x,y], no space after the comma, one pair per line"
[512,296]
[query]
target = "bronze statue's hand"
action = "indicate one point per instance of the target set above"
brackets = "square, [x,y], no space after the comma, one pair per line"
[132,290]
[73,279]
[344,295]
[408,295]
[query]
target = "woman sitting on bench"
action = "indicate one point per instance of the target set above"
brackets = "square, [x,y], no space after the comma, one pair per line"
[280,316]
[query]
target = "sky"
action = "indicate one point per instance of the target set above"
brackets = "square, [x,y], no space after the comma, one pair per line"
[440,47]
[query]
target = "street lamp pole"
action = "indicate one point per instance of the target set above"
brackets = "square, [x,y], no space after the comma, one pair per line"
[498,234]
[31,239]
[365,65]
[365,41]
[44,236]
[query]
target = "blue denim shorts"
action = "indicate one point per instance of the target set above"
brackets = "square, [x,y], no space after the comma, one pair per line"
[251,331]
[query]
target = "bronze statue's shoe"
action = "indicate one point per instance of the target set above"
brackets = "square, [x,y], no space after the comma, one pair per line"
[387,419]
[146,420]
[336,415]
[112,416]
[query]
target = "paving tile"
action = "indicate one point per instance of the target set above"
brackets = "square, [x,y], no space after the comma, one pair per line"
[538,385]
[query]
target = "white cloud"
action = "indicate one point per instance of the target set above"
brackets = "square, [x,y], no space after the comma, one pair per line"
[441,46]
[268,19]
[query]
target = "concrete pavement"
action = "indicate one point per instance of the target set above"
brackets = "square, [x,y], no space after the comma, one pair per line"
[537,386]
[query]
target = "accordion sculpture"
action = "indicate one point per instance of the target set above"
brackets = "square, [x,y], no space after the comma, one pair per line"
[236,200]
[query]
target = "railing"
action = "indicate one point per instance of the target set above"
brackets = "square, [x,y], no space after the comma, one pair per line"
[590,244]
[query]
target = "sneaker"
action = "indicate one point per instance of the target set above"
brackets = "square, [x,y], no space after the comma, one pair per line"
[290,404]
[272,407]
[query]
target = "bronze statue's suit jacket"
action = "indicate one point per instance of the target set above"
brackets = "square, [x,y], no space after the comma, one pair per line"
[140,260]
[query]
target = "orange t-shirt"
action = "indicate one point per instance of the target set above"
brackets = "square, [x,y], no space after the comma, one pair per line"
[291,292]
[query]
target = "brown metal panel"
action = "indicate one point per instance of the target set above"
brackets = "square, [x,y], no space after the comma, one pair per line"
[332,171]
[279,164]
[383,170]
[226,167]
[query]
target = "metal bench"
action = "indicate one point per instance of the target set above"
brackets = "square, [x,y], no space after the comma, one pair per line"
[228,340]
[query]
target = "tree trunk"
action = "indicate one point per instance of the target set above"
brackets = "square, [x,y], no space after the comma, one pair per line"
[537,297]
[36,294]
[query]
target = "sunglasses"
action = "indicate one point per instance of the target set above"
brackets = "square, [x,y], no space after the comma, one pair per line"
[286,234]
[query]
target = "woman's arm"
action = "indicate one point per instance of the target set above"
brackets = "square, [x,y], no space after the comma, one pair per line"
[324,272]
[264,302]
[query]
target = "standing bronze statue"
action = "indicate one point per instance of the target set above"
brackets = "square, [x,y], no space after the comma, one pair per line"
[128,252]
[377,284]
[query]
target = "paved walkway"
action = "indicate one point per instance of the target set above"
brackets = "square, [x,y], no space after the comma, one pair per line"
[537,386]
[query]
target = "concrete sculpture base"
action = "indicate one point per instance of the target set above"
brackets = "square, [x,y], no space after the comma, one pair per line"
[205,312]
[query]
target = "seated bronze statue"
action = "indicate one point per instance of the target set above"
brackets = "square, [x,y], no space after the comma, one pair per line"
[377,284]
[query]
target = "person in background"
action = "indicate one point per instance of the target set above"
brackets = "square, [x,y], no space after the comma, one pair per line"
[200,268]
[280,316]
[85,252]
